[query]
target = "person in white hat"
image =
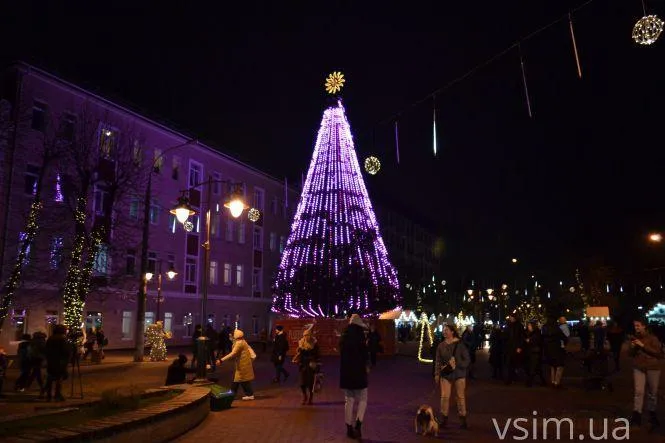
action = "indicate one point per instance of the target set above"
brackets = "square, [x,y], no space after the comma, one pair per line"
[354,367]
[241,353]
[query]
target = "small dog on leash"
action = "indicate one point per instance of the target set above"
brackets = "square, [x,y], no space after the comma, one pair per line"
[425,421]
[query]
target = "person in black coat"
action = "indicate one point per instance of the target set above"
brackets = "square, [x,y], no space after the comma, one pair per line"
[279,349]
[374,344]
[24,363]
[198,331]
[58,352]
[353,370]
[513,347]
[616,337]
[533,354]
[177,372]
[585,336]
[307,358]
[496,353]
[554,341]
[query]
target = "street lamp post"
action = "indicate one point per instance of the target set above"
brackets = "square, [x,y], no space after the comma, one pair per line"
[143,284]
[182,212]
[170,274]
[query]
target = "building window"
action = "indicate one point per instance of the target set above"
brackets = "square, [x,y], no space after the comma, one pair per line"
[195,174]
[93,319]
[101,200]
[39,116]
[107,142]
[259,198]
[130,262]
[273,206]
[273,241]
[190,271]
[213,273]
[282,241]
[149,319]
[258,238]
[227,274]
[168,321]
[158,161]
[126,324]
[152,262]
[217,183]
[22,239]
[229,230]
[102,264]
[187,323]
[215,225]
[257,285]
[59,196]
[31,179]
[239,276]
[134,208]
[68,126]
[57,245]
[137,153]
[51,319]
[154,212]
[175,171]
[241,233]
[170,261]
[19,323]
[255,324]
[173,222]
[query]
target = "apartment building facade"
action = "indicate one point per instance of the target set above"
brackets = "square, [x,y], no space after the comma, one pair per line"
[244,254]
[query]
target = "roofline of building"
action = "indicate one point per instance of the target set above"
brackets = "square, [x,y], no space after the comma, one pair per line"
[31,68]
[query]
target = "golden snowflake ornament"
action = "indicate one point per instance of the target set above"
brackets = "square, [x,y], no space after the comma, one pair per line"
[334,82]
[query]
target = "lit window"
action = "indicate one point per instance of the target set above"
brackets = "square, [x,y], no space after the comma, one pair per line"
[107,141]
[102,264]
[195,174]
[258,238]
[213,273]
[239,275]
[168,321]
[126,324]
[20,324]
[101,200]
[57,245]
[149,319]
[227,274]
[154,212]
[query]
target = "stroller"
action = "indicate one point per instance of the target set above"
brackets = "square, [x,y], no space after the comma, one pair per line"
[597,371]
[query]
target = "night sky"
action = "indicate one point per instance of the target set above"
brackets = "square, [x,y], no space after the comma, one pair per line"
[582,179]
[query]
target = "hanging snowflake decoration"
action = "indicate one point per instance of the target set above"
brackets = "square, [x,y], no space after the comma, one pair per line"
[647,30]
[189,226]
[253,215]
[372,165]
[334,82]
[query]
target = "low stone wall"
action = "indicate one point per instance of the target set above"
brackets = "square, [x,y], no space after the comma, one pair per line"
[158,423]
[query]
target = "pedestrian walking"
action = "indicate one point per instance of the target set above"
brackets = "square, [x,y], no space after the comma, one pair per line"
[243,356]
[102,342]
[585,336]
[36,355]
[280,347]
[452,362]
[24,363]
[616,337]
[647,353]
[307,358]
[533,354]
[58,352]
[198,332]
[374,344]
[496,352]
[599,336]
[554,342]
[211,344]
[353,369]
[470,340]
[513,346]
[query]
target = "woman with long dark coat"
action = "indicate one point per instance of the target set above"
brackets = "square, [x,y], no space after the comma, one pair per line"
[353,369]
[307,357]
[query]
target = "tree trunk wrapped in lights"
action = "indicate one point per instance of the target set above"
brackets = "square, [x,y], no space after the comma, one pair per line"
[335,260]
[73,305]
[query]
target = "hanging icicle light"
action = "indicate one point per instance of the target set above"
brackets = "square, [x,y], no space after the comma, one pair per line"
[372,165]
[434,129]
[647,30]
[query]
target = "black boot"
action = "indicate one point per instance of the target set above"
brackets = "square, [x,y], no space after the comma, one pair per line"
[636,419]
[653,421]
[443,421]
[359,433]
[349,431]
[462,422]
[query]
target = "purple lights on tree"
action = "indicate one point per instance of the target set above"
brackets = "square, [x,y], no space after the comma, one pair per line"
[335,260]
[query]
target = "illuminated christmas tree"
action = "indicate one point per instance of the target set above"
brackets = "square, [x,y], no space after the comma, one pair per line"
[335,260]
[425,328]
[155,337]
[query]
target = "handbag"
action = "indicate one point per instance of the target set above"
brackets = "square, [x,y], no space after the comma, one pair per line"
[447,369]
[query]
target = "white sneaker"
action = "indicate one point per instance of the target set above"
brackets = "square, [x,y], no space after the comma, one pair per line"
[248,397]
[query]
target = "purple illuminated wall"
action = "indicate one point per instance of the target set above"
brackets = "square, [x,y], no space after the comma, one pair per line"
[335,260]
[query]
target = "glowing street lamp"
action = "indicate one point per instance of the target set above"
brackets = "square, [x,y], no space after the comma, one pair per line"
[183,210]
[655,237]
[514,260]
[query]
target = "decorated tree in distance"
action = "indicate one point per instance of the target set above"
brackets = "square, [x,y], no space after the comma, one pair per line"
[425,329]
[155,337]
[335,259]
